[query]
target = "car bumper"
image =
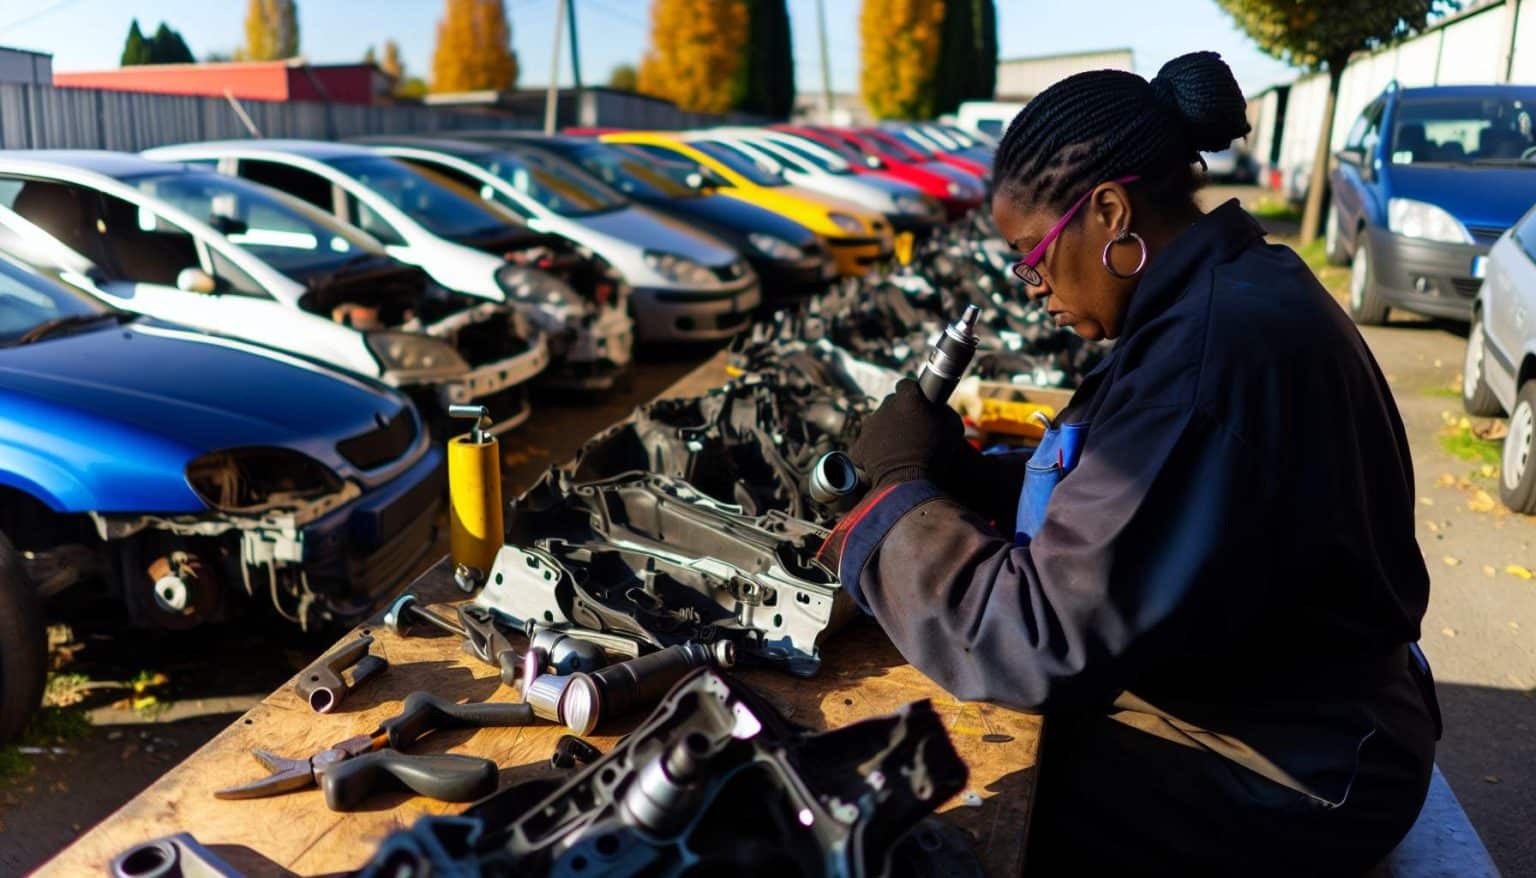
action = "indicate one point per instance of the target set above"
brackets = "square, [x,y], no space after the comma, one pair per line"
[1427,277]
[694,315]
[493,378]
[789,281]
[595,355]
[918,223]
[856,256]
[362,552]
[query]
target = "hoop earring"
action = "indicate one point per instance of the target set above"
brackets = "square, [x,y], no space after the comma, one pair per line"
[1121,239]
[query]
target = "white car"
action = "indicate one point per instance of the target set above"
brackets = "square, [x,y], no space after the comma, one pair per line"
[464,244]
[226,256]
[820,170]
[684,284]
[1499,374]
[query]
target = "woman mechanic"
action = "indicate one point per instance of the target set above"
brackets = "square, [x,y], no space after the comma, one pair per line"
[1206,575]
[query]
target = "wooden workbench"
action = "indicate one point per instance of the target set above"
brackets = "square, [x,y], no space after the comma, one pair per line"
[861,676]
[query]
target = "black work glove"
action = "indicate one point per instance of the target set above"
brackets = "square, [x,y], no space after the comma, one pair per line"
[907,438]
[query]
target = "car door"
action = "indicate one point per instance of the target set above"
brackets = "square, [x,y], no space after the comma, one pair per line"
[1353,174]
[1509,293]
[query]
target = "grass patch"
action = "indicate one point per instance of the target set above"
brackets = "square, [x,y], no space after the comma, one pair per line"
[1275,209]
[1462,443]
[51,727]
[1444,392]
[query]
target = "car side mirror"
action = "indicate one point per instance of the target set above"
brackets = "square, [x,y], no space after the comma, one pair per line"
[195,280]
[1351,156]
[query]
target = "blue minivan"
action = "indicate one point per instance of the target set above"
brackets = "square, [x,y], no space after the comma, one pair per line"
[1427,180]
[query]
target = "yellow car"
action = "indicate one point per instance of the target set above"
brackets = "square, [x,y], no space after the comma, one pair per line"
[856,238]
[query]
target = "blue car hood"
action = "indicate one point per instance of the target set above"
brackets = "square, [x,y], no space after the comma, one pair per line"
[1486,196]
[738,216]
[651,230]
[106,420]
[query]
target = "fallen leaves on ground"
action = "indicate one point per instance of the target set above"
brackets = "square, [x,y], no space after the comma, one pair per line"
[1481,501]
[1448,632]
[1517,570]
[1451,561]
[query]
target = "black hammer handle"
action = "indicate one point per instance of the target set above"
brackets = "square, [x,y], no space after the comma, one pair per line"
[447,777]
[424,712]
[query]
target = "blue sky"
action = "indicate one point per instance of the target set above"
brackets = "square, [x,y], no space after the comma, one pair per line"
[88,34]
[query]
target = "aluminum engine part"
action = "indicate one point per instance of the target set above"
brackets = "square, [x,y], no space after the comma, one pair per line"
[651,558]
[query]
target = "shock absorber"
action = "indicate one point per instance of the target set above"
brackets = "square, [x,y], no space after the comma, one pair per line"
[474,498]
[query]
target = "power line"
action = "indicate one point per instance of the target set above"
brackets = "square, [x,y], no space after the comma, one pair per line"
[622,15]
[31,17]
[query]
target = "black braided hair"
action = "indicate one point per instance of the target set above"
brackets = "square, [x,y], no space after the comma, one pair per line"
[1106,124]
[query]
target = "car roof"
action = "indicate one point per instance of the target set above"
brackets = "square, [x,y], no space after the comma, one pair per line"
[1468,91]
[315,149]
[440,144]
[118,165]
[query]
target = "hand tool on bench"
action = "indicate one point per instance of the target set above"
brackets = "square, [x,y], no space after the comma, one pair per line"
[324,684]
[352,770]
[476,626]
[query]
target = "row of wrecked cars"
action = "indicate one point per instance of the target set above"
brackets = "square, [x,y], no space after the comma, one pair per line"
[690,523]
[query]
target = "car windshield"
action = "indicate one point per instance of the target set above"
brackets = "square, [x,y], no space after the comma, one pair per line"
[28,301]
[558,186]
[1462,130]
[754,172]
[831,165]
[634,174]
[440,209]
[282,231]
[903,150]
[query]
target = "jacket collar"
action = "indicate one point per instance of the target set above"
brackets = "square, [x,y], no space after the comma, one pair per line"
[1213,239]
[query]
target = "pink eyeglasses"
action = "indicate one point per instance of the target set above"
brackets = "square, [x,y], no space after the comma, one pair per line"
[1025,269]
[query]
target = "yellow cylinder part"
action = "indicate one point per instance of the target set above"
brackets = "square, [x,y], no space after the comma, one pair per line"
[475,532]
[1012,418]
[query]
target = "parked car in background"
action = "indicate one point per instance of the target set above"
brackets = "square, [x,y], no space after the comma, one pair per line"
[464,244]
[858,239]
[959,196]
[790,260]
[987,118]
[907,208]
[1499,374]
[683,285]
[935,138]
[188,475]
[1427,180]
[1230,165]
[911,148]
[224,255]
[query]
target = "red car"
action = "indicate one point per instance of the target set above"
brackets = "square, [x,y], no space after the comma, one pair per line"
[959,194]
[913,153]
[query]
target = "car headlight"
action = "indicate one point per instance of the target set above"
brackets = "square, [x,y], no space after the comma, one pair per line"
[911,204]
[1418,219]
[849,224]
[954,189]
[251,479]
[774,248]
[680,270]
[529,286]
[410,355]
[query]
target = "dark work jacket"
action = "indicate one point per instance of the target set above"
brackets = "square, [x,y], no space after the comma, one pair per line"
[1231,564]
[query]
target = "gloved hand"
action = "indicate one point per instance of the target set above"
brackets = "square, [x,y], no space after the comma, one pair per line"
[907,438]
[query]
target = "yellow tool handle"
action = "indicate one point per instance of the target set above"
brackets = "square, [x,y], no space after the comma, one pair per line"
[474,499]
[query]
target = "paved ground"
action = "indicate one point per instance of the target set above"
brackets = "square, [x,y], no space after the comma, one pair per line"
[1480,633]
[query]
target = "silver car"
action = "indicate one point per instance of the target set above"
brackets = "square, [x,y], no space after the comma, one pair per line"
[459,241]
[1499,374]
[684,284]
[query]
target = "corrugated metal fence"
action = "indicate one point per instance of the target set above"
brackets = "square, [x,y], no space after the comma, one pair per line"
[44,117]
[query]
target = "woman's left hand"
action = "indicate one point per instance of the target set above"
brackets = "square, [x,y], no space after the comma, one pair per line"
[907,438]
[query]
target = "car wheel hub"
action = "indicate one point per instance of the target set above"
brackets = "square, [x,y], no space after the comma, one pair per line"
[1517,446]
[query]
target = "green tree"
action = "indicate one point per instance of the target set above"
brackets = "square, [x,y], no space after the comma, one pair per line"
[135,47]
[1321,35]
[405,86]
[167,47]
[765,82]
[271,30]
[696,50]
[900,49]
[624,78]
[967,65]
[474,48]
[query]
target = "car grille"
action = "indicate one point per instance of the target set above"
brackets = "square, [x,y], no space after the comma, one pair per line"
[733,272]
[1485,234]
[381,445]
[1466,286]
[490,341]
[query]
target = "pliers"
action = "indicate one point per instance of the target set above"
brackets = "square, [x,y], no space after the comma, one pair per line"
[350,771]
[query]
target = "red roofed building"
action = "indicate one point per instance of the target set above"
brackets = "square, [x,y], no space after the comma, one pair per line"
[290,80]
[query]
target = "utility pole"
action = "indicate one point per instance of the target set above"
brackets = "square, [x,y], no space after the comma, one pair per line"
[570,22]
[552,97]
[826,70]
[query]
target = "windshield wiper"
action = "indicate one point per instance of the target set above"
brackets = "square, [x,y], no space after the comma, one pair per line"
[73,321]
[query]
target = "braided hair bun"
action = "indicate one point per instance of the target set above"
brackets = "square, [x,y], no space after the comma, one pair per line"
[1106,124]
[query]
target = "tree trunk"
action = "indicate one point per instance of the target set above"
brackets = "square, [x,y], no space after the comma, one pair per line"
[1317,185]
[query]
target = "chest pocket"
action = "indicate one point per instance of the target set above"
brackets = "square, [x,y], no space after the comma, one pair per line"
[1057,455]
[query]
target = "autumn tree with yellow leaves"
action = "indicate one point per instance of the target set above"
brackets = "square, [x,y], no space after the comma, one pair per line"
[900,48]
[474,48]
[697,46]
[271,31]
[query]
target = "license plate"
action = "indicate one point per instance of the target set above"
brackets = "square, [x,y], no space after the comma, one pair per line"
[1479,267]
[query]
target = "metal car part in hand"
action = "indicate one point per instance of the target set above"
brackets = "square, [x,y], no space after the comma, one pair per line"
[717,780]
[649,557]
